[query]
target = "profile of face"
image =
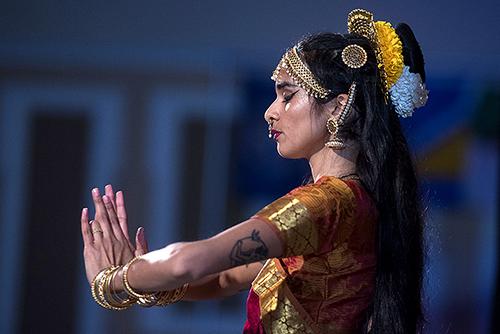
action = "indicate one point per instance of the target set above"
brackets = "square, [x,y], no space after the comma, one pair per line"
[298,125]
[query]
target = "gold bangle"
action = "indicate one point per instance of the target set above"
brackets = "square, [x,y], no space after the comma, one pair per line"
[164,297]
[161,298]
[103,288]
[146,300]
[102,294]
[112,298]
[172,296]
[93,289]
[98,288]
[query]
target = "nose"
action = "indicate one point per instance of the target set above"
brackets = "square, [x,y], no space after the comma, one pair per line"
[271,115]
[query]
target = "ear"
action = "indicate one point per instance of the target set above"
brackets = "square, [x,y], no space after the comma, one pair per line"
[342,99]
[336,105]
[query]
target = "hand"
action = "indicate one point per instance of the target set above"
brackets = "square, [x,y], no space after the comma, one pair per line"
[106,240]
[141,245]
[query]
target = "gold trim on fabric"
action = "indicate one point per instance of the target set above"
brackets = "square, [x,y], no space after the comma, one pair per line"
[317,220]
[266,286]
[278,314]
[298,215]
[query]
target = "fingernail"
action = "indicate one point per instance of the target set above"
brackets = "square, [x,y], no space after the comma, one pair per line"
[90,222]
[84,211]
[95,191]
[105,199]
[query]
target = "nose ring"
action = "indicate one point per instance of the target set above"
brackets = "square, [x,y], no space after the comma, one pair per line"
[269,129]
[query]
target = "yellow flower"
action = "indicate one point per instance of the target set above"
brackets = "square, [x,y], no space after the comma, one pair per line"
[392,51]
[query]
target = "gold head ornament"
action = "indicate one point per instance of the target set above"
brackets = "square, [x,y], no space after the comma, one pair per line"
[385,41]
[300,73]
[354,56]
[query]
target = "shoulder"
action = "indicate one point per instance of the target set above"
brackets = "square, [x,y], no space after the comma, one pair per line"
[325,188]
[327,193]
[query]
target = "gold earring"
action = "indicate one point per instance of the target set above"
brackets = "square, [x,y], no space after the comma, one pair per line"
[335,143]
[333,125]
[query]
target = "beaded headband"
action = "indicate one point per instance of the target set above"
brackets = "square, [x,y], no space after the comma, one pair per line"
[353,56]
[300,73]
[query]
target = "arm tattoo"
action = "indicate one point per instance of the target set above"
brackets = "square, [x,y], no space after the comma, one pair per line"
[249,249]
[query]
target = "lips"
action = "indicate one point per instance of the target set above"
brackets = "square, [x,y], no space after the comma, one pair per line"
[275,134]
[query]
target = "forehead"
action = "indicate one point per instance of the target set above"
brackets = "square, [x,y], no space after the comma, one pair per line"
[282,78]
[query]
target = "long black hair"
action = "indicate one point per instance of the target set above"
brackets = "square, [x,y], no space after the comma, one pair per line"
[385,167]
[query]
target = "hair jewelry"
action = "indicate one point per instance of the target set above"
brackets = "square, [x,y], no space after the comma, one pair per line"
[385,41]
[354,56]
[300,73]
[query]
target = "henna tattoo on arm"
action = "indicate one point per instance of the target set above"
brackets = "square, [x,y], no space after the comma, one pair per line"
[249,249]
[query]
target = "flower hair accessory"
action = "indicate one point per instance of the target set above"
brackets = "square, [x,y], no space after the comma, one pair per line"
[385,41]
[406,89]
[408,93]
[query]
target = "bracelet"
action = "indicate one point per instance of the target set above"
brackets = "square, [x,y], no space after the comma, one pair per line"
[161,298]
[100,287]
[113,298]
[102,294]
[146,300]
[172,296]
[94,289]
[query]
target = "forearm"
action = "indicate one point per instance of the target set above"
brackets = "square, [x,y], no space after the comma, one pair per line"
[176,264]
[158,270]
[224,284]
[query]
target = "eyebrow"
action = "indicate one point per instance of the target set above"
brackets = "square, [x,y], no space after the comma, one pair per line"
[284,84]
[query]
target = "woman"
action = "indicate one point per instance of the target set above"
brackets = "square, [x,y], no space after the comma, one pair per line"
[342,254]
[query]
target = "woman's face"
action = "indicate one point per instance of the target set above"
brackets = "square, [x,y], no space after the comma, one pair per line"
[298,129]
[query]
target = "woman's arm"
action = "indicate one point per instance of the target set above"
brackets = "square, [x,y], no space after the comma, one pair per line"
[168,268]
[224,284]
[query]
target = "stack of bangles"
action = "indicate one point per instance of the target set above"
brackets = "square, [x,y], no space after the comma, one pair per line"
[105,297]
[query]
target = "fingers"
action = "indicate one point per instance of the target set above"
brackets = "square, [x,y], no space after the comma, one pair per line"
[88,239]
[113,219]
[96,231]
[140,242]
[108,191]
[101,213]
[122,213]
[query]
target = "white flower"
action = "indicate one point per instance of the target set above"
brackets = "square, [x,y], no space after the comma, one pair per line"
[408,93]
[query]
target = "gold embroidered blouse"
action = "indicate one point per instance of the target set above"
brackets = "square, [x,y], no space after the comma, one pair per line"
[324,282]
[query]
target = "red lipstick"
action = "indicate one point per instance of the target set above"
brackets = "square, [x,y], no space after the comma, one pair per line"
[275,134]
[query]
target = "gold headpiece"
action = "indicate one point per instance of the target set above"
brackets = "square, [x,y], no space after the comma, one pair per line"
[300,73]
[354,56]
[385,41]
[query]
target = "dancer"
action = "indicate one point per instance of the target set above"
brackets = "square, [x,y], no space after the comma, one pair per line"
[342,254]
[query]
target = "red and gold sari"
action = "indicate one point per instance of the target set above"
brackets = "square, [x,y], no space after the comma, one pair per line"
[324,283]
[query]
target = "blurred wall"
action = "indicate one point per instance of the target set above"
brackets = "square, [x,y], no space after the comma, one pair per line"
[165,100]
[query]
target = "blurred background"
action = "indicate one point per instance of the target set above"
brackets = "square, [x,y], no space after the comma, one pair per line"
[165,100]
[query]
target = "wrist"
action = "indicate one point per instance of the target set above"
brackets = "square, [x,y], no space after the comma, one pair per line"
[117,284]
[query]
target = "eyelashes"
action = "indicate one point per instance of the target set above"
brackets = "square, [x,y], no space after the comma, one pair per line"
[287,98]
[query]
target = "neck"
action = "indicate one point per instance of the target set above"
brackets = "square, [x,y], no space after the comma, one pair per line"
[329,162]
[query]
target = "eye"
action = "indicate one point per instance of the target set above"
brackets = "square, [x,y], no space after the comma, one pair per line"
[287,98]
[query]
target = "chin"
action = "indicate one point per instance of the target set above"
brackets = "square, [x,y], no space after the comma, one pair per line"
[288,154]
